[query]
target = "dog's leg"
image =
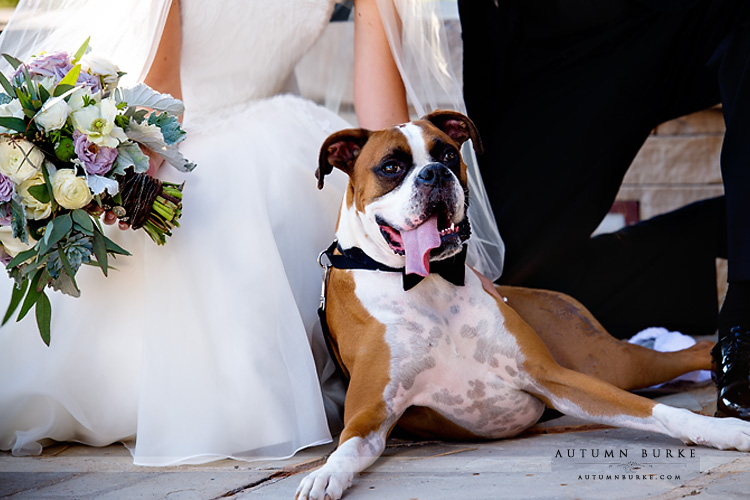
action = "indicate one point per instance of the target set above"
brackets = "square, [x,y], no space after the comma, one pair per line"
[367,425]
[579,342]
[584,396]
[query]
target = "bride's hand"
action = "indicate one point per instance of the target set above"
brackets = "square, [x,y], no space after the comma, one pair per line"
[155,162]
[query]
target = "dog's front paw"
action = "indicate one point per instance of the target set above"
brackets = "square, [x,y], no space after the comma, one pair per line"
[726,434]
[325,483]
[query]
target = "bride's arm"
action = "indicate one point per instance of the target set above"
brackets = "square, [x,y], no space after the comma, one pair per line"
[164,76]
[379,94]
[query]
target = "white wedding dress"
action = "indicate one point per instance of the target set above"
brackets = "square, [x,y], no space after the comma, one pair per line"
[201,349]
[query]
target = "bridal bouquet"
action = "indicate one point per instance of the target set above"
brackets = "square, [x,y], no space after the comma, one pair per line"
[70,148]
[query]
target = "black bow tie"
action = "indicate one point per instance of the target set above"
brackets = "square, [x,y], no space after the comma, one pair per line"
[452,269]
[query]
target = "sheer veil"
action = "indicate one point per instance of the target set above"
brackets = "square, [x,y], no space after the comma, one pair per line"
[418,35]
[126,32]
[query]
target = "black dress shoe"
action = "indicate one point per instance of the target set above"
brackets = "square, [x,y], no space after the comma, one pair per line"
[731,373]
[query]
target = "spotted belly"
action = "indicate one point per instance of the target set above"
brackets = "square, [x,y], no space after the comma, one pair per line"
[450,352]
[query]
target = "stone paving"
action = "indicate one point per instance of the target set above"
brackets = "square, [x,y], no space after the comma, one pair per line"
[561,458]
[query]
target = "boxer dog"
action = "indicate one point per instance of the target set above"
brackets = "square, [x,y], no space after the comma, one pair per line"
[425,345]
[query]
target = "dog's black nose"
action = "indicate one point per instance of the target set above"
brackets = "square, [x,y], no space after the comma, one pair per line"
[433,174]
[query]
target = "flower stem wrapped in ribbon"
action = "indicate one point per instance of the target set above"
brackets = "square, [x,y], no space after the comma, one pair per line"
[71,147]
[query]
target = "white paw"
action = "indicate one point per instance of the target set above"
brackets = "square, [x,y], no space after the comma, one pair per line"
[726,434]
[325,483]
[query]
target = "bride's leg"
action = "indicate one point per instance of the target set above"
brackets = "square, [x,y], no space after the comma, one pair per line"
[579,342]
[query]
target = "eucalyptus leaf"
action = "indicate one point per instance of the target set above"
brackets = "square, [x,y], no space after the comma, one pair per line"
[57,229]
[30,84]
[66,263]
[21,257]
[15,299]
[113,247]
[6,85]
[100,250]
[31,296]
[13,61]
[44,317]
[83,219]
[13,123]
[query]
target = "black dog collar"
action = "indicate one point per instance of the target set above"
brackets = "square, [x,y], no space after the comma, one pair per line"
[452,269]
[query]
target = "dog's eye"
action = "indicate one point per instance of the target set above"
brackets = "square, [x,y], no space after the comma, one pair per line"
[450,156]
[391,168]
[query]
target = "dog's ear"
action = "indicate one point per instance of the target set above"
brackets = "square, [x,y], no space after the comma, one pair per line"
[340,150]
[457,126]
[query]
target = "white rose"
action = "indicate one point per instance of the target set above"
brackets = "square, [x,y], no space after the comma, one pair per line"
[53,117]
[35,209]
[95,64]
[97,121]
[19,159]
[69,190]
[13,246]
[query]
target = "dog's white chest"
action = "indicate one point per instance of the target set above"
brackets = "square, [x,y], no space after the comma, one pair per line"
[450,351]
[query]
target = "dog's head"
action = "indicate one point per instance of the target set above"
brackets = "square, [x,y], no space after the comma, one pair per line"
[407,199]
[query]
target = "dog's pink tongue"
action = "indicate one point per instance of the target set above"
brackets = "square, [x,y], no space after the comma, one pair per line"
[417,245]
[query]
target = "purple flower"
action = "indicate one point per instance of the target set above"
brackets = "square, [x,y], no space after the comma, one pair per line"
[6,188]
[53,64]
[57,65]
[98,160]
[4,257]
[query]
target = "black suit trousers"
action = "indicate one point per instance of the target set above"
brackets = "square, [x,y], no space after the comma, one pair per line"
[564,93]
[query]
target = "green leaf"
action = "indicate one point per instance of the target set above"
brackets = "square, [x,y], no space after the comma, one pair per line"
[47,181]
[12,61]
[61,90]
[21,257]
[43,93]
[15,299]
[44,317]
[40,192]
[81,50]
[57,229]
[66,265]
[30,84]
[83,219]
[113,247]
[32,296]
[26,103]
[100,250]
[6,85]
[13,123]
[71,77]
